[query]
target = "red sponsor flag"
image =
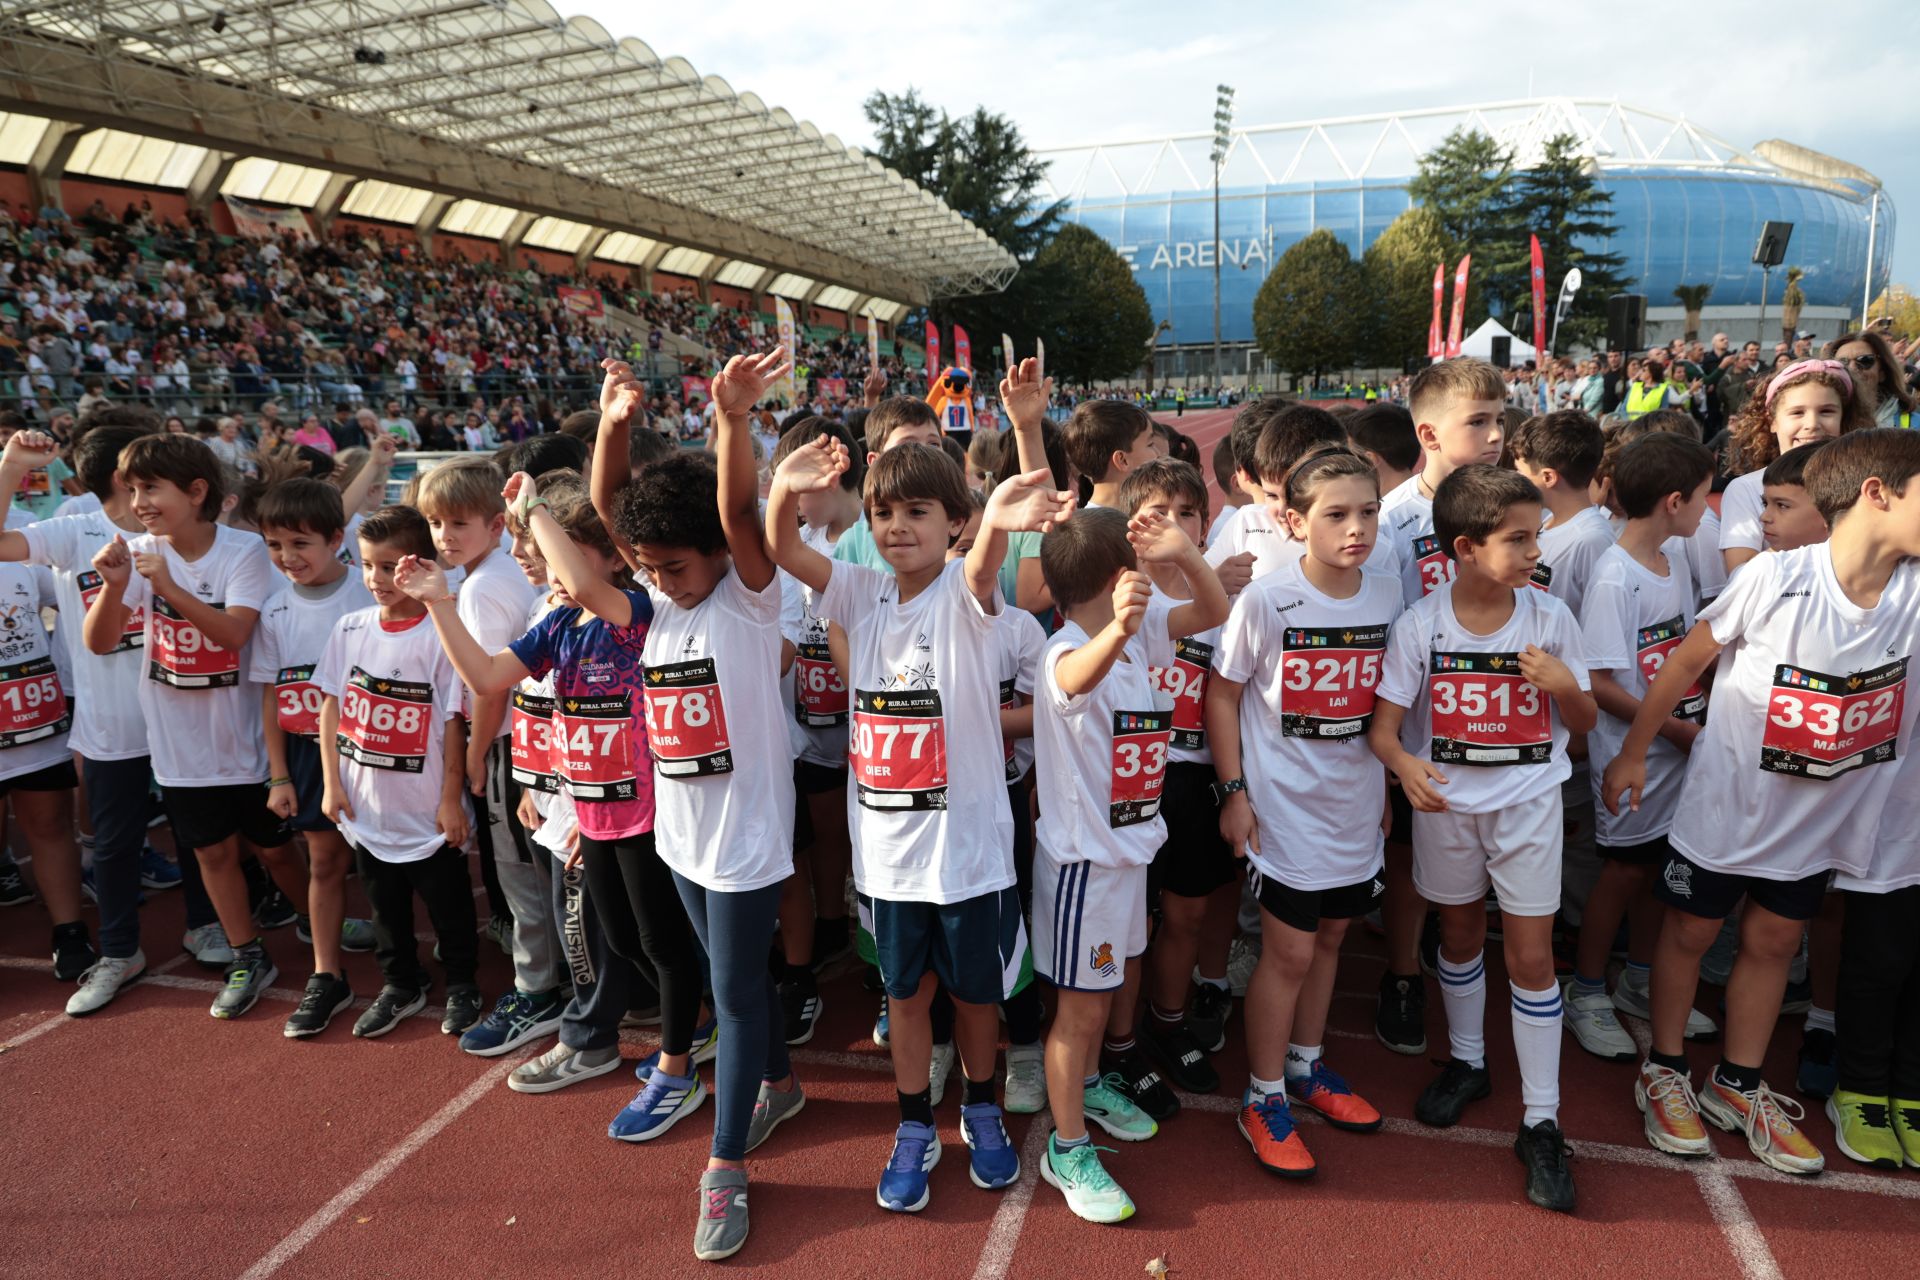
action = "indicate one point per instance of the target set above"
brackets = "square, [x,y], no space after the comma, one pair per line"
[933,352]
[1454,330]
[1539,302]
[694,388]
[1435,348]
[586,303]
[962,349]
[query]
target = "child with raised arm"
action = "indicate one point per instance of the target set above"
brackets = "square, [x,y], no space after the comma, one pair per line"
[1101,737]
[1492,673]
[932,832]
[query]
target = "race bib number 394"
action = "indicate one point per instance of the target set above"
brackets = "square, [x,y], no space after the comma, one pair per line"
[1821,726]
[1139,766]
[686,721]
[1485,712]
[898,749]
[1186,683]
[1327,680]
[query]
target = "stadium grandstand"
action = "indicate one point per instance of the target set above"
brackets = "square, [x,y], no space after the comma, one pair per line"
[1687,204]
[215,204]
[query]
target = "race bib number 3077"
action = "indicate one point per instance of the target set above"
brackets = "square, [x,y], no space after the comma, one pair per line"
[1485,712]
[1821,726]
[898,749]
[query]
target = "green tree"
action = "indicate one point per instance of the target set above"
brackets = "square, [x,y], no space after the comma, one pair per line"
[1692,297]
[1465,182]
[1307,317]
[1398,271]
[1097,322]
[1561,201]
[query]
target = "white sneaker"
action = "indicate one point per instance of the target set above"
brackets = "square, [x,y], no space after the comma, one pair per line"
[208,945]
[1636,1003]
[1026,1088]
[102,982]
[944,1056]
[1591,1019]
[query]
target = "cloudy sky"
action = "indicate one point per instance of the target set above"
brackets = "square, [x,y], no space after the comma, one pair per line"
[1744,71]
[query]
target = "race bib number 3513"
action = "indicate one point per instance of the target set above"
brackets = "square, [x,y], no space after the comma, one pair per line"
[1328,677]
[1485,712]
[182,656]
[686,722]
[1139,766]
[898,749]
[384,724]
[1821,726]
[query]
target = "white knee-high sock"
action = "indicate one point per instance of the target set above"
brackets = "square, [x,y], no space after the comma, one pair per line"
[1536,1043]
[1464,987]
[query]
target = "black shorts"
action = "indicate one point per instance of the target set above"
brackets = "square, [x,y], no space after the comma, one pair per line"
[1304,909]
[1686,886]
[810,779]
[1648,853]
[1401,832]
[303,766]
[204,816]
[1195,860]
[55,777]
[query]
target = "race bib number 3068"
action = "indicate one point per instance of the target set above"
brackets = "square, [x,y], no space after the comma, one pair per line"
[1821,726]
[1327,680]
[898,749]
[1186,683]
[1485,712]
[384,724]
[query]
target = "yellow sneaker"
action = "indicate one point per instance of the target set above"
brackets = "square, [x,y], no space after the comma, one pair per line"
[1906,1127]
[1665,1097]
[1767,1120]
[1863,1129]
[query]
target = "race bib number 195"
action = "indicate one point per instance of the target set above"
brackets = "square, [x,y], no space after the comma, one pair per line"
[32,704]
[1821,726]
[1485,712]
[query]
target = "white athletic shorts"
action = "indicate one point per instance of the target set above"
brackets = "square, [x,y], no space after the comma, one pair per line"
[1516,850]
[1088,921]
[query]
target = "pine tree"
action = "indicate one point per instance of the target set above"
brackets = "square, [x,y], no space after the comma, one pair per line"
[1466,181]
[1561,201]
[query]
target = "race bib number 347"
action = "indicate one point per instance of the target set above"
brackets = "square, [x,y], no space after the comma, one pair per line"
[898,749]
[1485,712]
[1821,726]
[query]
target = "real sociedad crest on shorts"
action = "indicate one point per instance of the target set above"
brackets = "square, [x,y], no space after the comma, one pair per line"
[1679,878]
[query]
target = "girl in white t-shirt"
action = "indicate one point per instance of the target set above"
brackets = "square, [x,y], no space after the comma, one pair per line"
[1806,402]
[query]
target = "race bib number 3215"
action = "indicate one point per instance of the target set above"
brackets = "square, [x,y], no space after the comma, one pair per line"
[1327,680]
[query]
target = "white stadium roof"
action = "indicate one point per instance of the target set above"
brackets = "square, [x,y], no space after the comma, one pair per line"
[497,102]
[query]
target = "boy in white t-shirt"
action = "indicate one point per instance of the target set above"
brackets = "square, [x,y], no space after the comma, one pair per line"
[1787,784]
[202,586]
[1105,440]
[1287,434]
[1638,606]
[1492,674]
[392,749]
[1101,739]
[933,855]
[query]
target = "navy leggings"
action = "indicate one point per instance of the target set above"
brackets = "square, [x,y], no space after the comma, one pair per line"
[736,929]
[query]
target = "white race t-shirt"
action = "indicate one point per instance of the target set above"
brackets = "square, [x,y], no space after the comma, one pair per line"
[1225,519]
[200,701]
[397,690]
[725,819]
[79,504]
[1497,738]
[293,633]
[1568,552]
[107,721]
[1311,665]
[34,719]
[813,691]
[1740,506]
[1254,530]
[1406,526]
[1100,758]
[927,804]
[1631,620]
[1704,561]
[493,603]
[1020,639]
[1182,685]
[1894,862]
[1810,711]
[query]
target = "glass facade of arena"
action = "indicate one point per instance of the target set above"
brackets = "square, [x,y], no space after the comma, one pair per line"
[1674,227]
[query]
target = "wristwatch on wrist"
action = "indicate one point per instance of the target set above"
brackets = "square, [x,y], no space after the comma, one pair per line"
[1221,790]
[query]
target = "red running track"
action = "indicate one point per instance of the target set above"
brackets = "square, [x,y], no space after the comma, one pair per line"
[150,1140]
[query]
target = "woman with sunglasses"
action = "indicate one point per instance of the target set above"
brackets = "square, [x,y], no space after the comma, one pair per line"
[1879,378]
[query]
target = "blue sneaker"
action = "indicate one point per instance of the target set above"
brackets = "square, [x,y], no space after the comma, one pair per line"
[916,1149]
[706,1046]
[157,871]
[992,1162]
[516,1019]
[881,1030]
[661,1102]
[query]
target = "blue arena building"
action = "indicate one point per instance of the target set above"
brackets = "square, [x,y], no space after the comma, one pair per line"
[1688,207]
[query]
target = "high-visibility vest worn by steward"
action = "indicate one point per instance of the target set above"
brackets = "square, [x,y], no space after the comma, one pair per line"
[1642,400]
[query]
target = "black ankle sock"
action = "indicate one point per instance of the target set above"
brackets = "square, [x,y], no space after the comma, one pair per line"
[917,1107]
[1672,1061]
[795,972]
[1745,1079]
[978,1091]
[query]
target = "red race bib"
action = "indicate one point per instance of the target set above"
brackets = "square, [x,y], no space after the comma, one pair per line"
[298,699]
[686,720]
[819,695]
[1821,726]
[1653,645]
[182,656]
[1186,683]
[384,724]
[135,634]
[530,741]
[1485,713]
[32,704]
[593,746]
[1541,579]
[898,749]
[1140,740]
[1434,565]
[1328,678]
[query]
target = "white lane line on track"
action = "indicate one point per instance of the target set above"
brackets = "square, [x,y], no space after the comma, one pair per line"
[1003,1233]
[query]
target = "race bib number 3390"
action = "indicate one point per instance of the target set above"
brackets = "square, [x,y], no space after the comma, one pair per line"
[1485,712]
[182,656]
[1821,726]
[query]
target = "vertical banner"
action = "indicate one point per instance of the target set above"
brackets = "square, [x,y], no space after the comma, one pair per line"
[873,341]
[1539,305]
[784,314]
[1456,328]
[934,368]
[962,349]
[1435,347]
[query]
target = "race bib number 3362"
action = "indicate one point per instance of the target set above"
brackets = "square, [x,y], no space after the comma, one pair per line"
[898,749]
[1485,712]
[1821,726]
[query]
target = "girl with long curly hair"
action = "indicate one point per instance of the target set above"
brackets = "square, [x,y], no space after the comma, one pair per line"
[1806,402]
